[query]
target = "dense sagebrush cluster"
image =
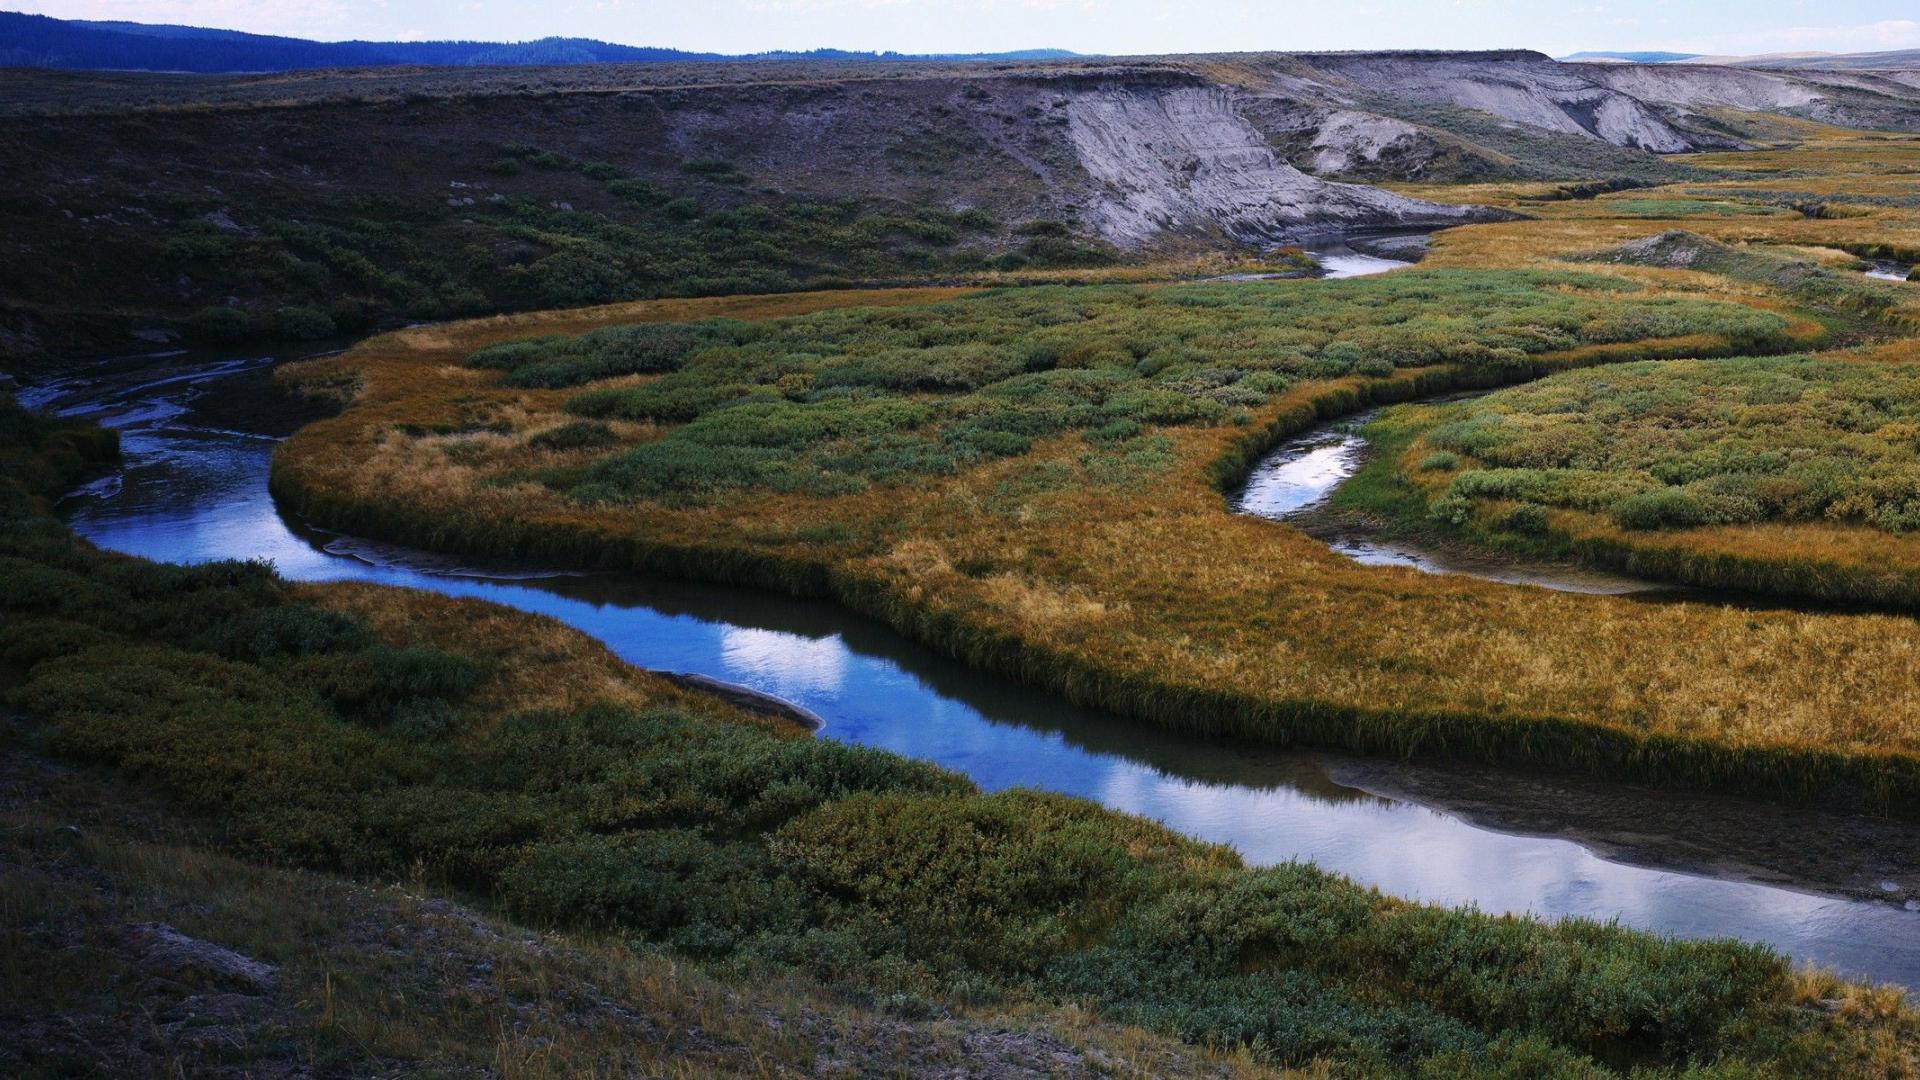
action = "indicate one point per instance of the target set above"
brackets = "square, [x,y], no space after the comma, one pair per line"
[833,402]
[1819,287]
[1698,443]
[1672,208]
[40,456]
[309,739]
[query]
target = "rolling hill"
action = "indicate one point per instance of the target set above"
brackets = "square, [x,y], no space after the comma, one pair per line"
[41,41]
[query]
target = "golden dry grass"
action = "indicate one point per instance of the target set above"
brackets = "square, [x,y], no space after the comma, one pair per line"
[532,662]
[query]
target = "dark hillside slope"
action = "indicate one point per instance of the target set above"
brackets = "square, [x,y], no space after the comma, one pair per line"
[443,202]
[143,209]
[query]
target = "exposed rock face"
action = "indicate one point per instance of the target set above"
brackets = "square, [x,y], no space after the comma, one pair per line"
[1184,160]
[1349,141]
[1652,107]
[170,954]
[1526,88]
[1695,87]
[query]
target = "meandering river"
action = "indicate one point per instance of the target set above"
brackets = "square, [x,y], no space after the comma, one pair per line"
[192,487]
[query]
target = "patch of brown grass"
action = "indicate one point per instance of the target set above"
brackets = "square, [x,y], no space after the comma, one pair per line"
[532,662]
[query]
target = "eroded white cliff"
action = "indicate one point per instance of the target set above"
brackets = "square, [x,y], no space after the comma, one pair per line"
[1182,159]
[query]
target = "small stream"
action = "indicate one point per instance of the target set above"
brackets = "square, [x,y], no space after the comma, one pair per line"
[198,437]
[1297,478]
[1300,475]
[1361,256]
[1889,271]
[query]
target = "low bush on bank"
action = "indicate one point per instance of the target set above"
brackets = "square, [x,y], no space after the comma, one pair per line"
[41,455]
[602,354]
[837,401]
[306,736]
[1809,283]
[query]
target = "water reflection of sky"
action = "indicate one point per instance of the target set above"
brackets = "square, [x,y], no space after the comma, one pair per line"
[1303,473]
[190,495]
[1346,263]
[785,665]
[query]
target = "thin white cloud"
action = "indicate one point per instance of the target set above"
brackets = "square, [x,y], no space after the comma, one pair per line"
[292,18]
[1883,36]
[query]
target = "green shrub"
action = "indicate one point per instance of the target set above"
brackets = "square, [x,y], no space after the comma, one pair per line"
[1666,508]
[672,885]
[710,167]
[293,630]
[1527,519]
[600,354]
[575,435]
[672,467]
[1007,881]
[512,354]
[305,324]
[25,642]
[380,683]
[218,325]
[636,191]
[1676,444]
[991,375]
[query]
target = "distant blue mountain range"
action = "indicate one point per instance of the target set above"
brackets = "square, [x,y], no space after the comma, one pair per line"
[40,41]
[1634,57]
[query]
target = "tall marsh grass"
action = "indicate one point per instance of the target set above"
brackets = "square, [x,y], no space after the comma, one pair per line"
[1790,476]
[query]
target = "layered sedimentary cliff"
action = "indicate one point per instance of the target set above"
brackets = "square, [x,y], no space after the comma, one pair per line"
[1185,160]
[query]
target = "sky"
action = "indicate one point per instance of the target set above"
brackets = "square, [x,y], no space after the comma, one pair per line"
[1116,27]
